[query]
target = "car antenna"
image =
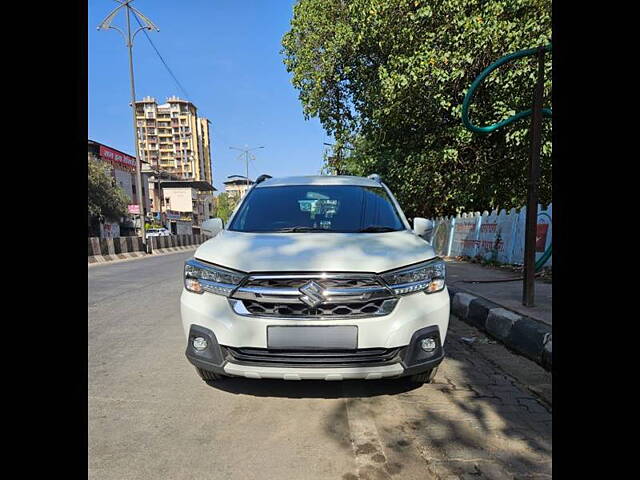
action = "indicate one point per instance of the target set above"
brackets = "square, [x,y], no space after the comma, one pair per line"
[262,178]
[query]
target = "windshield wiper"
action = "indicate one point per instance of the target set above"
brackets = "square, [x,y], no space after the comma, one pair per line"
[376,228]
[301,229]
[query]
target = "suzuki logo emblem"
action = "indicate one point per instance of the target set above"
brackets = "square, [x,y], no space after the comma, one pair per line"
[313,294]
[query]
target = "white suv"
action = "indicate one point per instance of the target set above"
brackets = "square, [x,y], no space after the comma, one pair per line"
[317,277]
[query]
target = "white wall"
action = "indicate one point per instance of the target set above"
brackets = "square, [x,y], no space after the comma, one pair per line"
[180,199]
[494,236]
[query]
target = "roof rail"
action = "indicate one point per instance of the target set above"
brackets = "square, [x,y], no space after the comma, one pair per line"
[262,178]
[375,177]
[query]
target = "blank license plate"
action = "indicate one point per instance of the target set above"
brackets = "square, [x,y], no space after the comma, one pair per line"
[342,337]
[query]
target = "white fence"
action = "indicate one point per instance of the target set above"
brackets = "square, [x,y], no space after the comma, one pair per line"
[494,236]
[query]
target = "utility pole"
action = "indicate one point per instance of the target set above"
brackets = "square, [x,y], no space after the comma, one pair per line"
[128,37]
[529,284]
[246,151]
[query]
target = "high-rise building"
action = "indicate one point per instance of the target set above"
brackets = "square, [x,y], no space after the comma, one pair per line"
[206,149]
[172,138]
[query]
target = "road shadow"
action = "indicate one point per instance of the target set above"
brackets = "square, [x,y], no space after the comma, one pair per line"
[473,421]
[313,388]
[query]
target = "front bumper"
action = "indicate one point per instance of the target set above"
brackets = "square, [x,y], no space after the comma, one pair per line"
[299,365]
[397,334]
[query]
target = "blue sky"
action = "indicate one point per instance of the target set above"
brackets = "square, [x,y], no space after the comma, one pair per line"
[226,54]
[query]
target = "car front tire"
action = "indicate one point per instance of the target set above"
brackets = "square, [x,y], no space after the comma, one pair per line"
[425,377]
[208,376]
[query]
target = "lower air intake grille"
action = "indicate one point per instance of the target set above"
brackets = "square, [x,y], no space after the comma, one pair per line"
[365,356]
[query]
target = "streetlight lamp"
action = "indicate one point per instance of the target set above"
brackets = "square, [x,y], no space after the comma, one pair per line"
[246,156]
[148,25]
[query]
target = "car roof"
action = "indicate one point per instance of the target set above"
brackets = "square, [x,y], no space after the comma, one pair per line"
[318,180]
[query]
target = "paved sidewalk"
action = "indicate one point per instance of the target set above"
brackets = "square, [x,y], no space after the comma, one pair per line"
[491,300]
[506,294]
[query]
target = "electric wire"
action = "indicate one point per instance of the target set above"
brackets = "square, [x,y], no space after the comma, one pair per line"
[162,59]
[216,131]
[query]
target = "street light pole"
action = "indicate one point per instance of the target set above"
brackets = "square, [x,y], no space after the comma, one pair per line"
[246,163]
[135,134]
[148,25]
[246,158]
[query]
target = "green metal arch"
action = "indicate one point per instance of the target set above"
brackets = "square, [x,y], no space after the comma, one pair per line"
[469,95]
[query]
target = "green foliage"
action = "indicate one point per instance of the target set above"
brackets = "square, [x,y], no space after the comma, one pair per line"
[105,197]
[388,78]
[225,204]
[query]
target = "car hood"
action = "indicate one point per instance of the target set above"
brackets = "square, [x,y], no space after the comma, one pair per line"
[337,252]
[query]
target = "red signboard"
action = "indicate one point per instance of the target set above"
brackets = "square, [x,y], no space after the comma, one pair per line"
[541,236]
[117,159]
[134,209]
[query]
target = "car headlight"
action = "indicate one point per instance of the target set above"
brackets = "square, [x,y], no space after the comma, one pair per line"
[201,277]
[427,276]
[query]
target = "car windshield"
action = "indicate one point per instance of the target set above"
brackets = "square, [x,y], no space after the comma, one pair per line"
[317,208]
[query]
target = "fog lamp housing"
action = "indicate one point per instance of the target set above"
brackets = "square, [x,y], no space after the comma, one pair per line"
[428,344]
[200,343]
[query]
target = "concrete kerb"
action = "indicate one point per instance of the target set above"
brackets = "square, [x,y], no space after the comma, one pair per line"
[102,250]
[111,258]
[164,251]
[102,259]
[522,334]
[460,303]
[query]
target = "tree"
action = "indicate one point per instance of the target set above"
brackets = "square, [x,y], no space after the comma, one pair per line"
[388,78]
[106,199]
[225,204]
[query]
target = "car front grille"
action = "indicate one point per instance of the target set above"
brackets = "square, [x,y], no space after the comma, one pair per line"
[335,295]
[372,308]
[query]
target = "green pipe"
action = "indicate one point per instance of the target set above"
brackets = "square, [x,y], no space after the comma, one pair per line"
[469,95]
[547,253]
[488,129]
[543,259]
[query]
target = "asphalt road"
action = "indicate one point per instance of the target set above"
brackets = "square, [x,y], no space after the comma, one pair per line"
[487,415]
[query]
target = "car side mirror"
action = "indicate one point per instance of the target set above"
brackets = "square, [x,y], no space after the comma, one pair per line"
[212,227]
[423,227]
